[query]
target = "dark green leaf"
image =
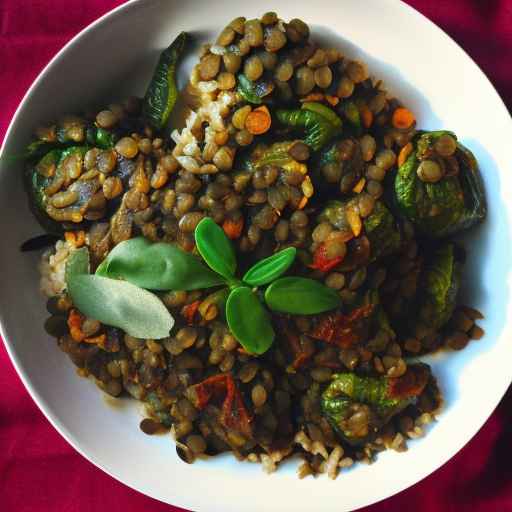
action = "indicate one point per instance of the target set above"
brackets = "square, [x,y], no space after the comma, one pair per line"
[382,232]
[440,285]
[346,389]
[300,296]
[162,92]
[215,248]
[448,206]
[249,321]
[121,304]
[270,268]
[158,266]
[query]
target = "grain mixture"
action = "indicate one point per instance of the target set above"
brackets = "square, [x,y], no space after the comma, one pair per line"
[294,151]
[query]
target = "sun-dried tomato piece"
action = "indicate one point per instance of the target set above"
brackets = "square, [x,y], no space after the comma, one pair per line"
[411,383]
[222,387]
[189,311]
[299,350]
[322,262]
[340,329]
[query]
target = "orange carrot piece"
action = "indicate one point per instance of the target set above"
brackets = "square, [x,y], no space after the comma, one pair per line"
[258,121]
[302,203]
[332,100]
[402,118]
[97,340]
[76,238]
[359,186]
[75,320]
[314,96]
[404,154]
[233,228]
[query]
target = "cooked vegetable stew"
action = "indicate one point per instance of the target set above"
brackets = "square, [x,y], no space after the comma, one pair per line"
[262,277]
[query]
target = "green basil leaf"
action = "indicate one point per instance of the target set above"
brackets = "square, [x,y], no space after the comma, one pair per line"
[268,269]
[300,296]
[249,321]
[120,304]
[157,266]
[77,263]
[215,248]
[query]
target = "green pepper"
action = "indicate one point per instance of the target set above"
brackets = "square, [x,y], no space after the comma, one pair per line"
[440,284]
[253,92]
[37,178]
[450,205]
[162,91]
[276,154]
[319,130]
[376,398]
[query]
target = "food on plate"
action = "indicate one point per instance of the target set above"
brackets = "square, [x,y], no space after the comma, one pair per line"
[264,275]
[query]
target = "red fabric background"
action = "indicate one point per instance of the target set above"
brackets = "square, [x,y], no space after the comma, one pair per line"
[40,472]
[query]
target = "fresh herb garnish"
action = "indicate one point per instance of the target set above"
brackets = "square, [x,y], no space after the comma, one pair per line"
[162,266]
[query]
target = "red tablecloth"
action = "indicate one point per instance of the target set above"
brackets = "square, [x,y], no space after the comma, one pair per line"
[40,472]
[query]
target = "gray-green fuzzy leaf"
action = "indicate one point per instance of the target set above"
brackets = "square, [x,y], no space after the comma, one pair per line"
[120,304]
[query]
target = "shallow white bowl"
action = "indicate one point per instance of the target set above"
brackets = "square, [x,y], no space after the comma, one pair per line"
[422,66]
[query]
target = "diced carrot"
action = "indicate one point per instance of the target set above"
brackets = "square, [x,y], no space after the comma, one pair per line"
[366,115]
[75,320]
[359,186]
[76,238]
[404,154]
[402,118]
[258,121]
[302,203]
[97,340]
[314,96]
[233,228]
[332,100]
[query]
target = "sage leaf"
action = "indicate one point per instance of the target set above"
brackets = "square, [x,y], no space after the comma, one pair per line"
[300,296]
[158,266]
[215,248]
[269,269]
[249,321]
[116,303]
[120,304]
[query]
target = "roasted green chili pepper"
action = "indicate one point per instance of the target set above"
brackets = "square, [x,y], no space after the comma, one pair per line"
[443,202]
[374,399]
[318,128]
[162,92]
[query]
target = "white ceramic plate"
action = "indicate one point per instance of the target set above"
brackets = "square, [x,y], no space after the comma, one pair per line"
[418,63]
